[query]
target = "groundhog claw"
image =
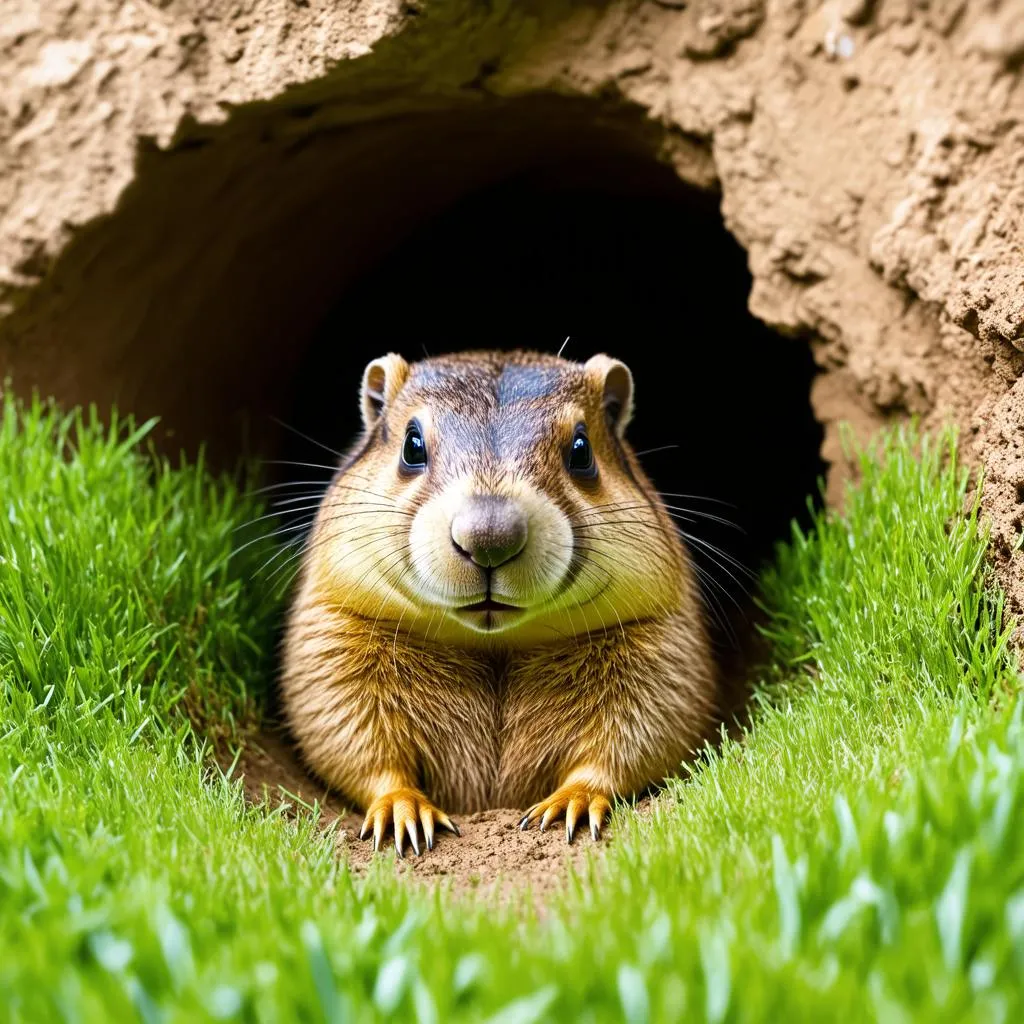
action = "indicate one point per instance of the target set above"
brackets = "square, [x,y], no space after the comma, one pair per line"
[402,809]
[571,800]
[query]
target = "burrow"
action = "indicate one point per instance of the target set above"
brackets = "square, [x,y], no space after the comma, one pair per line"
[251,270]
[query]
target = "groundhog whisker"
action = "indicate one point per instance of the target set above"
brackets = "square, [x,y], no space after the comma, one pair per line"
[306,523]
[705,515]
[713,549]
[596,552]
[735,580]
[626,528]
[368,508]
[369,537]
[372,505]
[599,553]
[282,549]
[330,536]
[372,512]
[640,524]
[282,502]
[565,615]
[353,474]
[386,498]
[597,526]
[709,596]
[660,448]
[283,529]
[295,547]
[344,485]
[375,566]
[596,520]
[716,610]
[572,623]
[607,556]
[300,465]
[384,565]
[599,514]
[296,558]
[287,483]
[588,569]
[322,483]
[269,536]
[274,515]
[306,437]
[613,507]
[696,497]
[392,586]
[604,513]
[609,505]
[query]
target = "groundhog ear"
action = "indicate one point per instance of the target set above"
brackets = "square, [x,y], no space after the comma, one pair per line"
[615,382]
[382,380]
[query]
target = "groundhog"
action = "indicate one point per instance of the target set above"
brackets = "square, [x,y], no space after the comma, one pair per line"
[494,607]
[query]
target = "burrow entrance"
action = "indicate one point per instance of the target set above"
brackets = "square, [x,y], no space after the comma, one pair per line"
[617,255]
[252,270]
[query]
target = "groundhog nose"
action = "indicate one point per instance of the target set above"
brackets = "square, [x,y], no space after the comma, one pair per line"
[489,530]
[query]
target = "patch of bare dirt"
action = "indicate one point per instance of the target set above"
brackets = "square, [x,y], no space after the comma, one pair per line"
[492,857]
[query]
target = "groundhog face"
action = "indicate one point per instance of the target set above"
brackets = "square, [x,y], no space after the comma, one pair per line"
[494,495]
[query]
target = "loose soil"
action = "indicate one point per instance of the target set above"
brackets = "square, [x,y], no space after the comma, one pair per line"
[492,857]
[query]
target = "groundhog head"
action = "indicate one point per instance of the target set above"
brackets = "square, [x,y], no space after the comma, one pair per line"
[495,495]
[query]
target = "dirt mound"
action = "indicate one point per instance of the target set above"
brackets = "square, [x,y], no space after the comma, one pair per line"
[491,857]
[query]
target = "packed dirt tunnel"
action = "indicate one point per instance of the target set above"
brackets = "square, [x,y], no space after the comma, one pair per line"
[248,275]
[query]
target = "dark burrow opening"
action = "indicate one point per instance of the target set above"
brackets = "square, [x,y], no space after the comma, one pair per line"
[621,257]
[251,270]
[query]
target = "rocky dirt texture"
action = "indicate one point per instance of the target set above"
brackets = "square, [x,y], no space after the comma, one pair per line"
[187,185]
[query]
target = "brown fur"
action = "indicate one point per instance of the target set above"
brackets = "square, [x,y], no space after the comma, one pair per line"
[598,699]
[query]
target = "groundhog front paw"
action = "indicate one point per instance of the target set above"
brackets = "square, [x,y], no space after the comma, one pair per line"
[402,809]
[571,800]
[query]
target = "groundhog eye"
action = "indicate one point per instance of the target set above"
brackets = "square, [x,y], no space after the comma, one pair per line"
[581,455]
[414,449]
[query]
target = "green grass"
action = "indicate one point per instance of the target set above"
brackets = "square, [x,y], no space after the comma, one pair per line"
[858,855]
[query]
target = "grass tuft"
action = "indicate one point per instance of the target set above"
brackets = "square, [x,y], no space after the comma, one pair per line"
[119,597]
[857,854]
